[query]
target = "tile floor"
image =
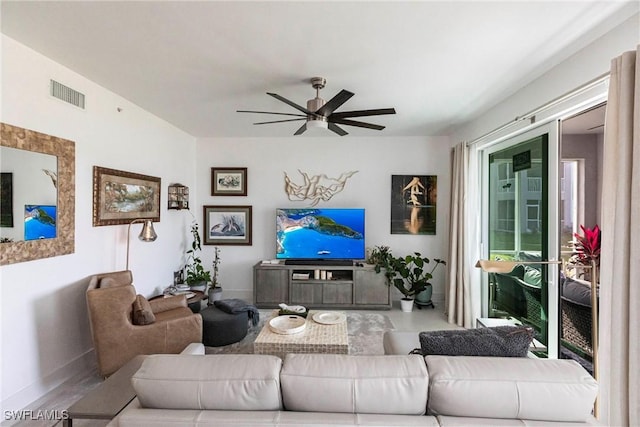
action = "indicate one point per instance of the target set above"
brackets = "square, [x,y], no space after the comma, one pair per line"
[65,395]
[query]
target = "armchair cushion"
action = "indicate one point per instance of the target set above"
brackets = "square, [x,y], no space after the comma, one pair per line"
[142,313]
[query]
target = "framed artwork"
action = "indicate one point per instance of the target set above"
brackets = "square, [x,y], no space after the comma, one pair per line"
[228,181]
[227,225]
[120,197]
[6,199]
[413,204]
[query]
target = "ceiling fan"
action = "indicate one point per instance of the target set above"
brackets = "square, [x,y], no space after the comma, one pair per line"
[321,114]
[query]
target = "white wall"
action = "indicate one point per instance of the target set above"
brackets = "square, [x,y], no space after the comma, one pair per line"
[582,67]
[44,324]
[375,159]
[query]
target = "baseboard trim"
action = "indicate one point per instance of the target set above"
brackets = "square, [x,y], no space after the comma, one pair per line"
[29,397]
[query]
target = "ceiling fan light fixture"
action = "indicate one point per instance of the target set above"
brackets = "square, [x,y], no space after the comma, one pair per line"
[317,124]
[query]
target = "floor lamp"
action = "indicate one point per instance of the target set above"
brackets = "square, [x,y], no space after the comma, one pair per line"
[148,234]
[506,266]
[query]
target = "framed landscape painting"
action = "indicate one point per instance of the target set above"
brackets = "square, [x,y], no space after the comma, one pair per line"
[227,225]
[413,204]
[119,197]
[228,181]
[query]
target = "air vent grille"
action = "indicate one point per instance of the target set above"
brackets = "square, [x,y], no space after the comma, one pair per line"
[66,94]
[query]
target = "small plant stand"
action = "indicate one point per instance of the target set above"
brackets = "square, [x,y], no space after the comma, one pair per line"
[421,304]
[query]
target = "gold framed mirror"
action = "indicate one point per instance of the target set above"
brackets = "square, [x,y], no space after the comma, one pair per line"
[63,179]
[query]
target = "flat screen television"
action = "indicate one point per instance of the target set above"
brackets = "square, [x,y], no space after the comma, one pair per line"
[320,234]
[39,222]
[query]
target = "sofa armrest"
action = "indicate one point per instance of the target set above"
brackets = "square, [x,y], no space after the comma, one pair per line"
[159,305]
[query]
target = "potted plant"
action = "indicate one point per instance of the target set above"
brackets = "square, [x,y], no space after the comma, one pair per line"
[215,290]
[412,277]
[587,249]
[197,276]
[382,258]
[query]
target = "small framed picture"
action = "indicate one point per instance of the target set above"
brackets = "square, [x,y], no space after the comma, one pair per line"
[228,181]
[227,225]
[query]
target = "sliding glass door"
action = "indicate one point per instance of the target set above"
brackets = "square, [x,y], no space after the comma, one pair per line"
[520,222]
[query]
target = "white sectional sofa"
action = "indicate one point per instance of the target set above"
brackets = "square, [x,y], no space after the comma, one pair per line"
[343,390]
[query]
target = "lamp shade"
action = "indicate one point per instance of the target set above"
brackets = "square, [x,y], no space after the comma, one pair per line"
[148,234]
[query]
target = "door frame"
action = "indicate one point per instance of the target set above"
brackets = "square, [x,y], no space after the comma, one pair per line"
[552,129]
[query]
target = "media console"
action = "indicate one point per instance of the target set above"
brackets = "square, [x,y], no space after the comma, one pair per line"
[326,286]
[320,262]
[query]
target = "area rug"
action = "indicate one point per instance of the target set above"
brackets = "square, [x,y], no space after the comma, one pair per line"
[365,332]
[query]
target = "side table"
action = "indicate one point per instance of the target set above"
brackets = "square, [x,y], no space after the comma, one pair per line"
[193,302]
[109,398]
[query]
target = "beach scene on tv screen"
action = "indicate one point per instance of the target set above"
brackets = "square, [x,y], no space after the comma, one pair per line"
[320,233]
[39,222]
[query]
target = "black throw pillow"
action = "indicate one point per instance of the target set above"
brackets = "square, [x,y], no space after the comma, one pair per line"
[498,341]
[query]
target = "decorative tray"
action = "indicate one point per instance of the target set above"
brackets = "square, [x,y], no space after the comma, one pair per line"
[287,325]
[329,317]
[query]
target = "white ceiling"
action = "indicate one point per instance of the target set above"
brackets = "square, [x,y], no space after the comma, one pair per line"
[194,64]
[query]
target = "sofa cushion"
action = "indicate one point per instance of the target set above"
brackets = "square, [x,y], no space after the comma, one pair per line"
[354,384]
[577,291]
[532,276]
[499,341]
[222,381]
[142,313]
[510,388]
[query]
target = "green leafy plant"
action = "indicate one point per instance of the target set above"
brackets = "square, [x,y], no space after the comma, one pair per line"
[412,275]
[382,258]
[195,271]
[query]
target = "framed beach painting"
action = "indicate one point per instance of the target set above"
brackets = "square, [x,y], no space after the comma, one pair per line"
[413,204]
[119,197]
[227,225]
[228,181]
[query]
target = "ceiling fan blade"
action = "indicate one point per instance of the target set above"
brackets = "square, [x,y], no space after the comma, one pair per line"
[270,112]
[301,130]
[337,129]
[354,123]
[291,103]
[278,121]
[335,102]
[362,113]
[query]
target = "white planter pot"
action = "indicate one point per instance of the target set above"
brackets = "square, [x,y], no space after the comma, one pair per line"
[406,305]
[215,294]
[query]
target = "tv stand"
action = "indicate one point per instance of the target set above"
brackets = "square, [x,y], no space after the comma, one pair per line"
[323,284]
[320,262]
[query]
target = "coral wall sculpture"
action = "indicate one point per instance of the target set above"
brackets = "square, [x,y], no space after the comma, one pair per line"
[315,188]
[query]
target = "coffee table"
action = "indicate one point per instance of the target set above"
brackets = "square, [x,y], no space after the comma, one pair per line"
[316,338]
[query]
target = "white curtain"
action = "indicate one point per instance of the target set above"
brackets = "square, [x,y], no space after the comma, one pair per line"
[619,348]
[458,291]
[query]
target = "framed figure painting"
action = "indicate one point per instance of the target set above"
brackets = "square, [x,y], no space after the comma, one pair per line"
[413,204]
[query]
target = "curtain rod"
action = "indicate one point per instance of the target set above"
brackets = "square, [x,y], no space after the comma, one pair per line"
[596,81]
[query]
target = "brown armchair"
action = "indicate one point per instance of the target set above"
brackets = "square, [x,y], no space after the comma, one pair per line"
[117,339]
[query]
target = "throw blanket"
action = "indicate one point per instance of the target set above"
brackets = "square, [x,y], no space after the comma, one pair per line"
[235,305]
